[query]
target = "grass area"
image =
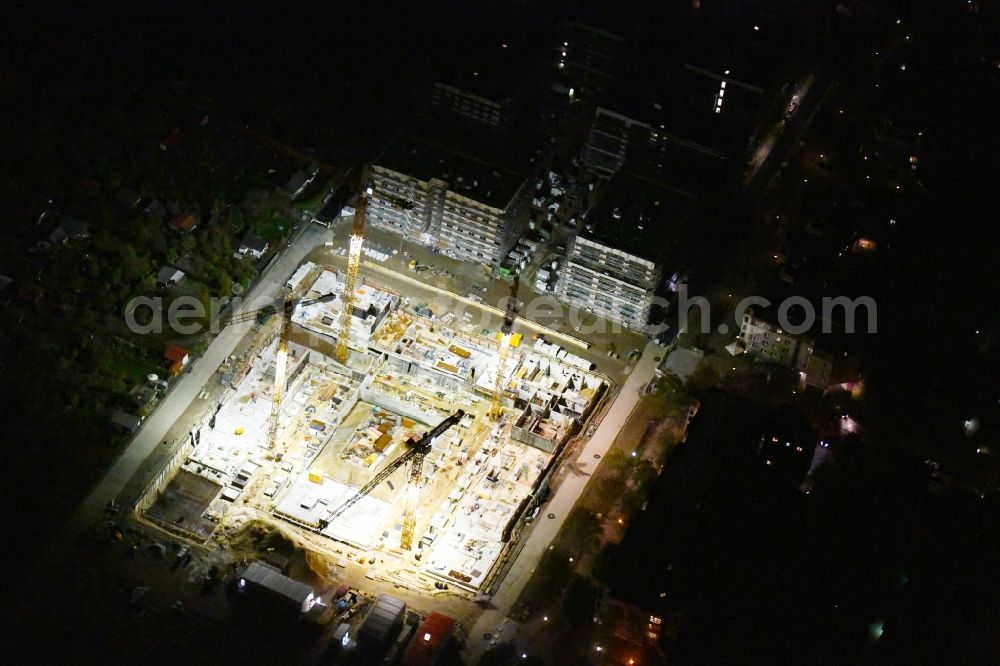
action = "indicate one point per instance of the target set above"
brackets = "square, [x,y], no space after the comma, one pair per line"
[132,368]
[272,227]
[313,202]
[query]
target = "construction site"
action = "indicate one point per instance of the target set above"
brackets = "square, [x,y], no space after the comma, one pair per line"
[359,420]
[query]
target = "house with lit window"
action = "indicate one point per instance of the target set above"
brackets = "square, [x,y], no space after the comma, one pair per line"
[763,339]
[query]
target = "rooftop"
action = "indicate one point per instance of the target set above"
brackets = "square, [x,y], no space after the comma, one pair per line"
[169,275]
[253,243]
[184,222]
[430,639]
[175,354]
[269,577]
[495,74]
[480,181]
[635,215]
[682,102]
[68,228]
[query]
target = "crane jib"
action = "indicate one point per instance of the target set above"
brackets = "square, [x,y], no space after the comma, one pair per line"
[417,448]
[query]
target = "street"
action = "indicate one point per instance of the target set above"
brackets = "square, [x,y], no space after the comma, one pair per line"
[155,429]
[562,502]
[152,439]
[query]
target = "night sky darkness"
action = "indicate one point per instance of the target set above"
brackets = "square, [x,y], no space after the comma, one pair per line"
[87,87]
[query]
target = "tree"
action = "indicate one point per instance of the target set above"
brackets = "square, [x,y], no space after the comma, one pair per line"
[604,561]
[704,377]
[582,531]
[668,440]
[578,602]
[609,488]
[616,461]
[643,474]
[552,574]
[506,654]
[225,283]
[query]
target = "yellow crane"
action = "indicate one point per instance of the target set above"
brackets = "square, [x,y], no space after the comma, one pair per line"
[351,276]
[411,498]
[416,449]
[281,357]
[506,333]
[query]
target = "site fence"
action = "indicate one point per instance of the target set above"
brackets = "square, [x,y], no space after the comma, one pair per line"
[539,495]
[152,491]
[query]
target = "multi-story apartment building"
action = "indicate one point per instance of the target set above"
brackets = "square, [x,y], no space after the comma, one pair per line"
[585,59]
[613,267]
[765,340]
[466,208]
[700,126]
[489,87]
[480,107]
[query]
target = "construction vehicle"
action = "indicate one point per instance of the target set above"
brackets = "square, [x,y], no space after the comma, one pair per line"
[351,276]
[416,449]
[281,358]
[412,265]
[506,333]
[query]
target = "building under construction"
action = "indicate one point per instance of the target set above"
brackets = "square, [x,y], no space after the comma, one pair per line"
[342,427]
[466,208]
[615,265]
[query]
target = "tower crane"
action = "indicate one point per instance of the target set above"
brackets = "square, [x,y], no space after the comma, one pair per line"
[416,449]
[506,333]
[281,357]
[351,276]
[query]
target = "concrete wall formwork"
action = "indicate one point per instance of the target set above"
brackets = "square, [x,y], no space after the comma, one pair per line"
[161,480]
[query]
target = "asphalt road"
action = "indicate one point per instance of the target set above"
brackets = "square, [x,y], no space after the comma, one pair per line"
[184,391]
[562,502]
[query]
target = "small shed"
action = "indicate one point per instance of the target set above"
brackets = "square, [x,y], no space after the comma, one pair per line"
[127,422]
[253,246]
[269,583]
[383,621]
[168,276]
[177,358]
[183,222]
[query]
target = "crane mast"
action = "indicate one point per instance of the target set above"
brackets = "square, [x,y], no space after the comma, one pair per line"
[411,499]
[351,276]
[278,394]
[506,333]
[416,450]
[281,357]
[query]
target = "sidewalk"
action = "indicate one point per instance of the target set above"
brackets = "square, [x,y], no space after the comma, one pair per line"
[157,426]
[562,502]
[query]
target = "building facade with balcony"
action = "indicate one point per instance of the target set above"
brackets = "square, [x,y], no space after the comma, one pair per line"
[614,266]
[465,208]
